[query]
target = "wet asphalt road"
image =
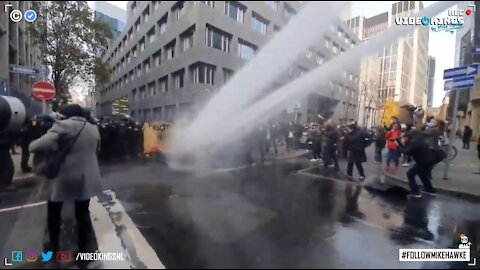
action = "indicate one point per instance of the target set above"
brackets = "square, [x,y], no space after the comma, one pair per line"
[276,217]
[273,216]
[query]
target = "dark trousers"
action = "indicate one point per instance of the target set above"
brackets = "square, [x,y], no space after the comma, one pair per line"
[424,172]
[316,149]
[54,219]
[329,155]
[270,142]
[25,157]
[6,168]
[406,158]
[358,164]
[378,153]
[466,144]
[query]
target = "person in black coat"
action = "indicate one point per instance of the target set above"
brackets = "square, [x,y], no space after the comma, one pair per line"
[357,141]
[416,146]
[380,143]
[7,168]
[467,135]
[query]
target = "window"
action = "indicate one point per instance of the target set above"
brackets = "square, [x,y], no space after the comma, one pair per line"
[151,35]
[131,73]
[353,43]
[139,70]
[133,8]
[288,11]
[276,28]
[162,24]
[137,25]
[157,58]
[129,59]
[339,32]
[202,73]
[143,92]
[130,33]
[125,78]
[134,51]
[309,54]
[142,44]
[134,95]
[302,70]
[163,83]
[234,11]
[146,65]
[259,24]
[245,50]
[156,4]
[335,48]
[227,74]
[179,9]
[208,3]
[272,4]
[319,59]
[327,42]
[146,14]
[217,39]
[151,89]
[157,113]
[178,78]
[170,50]
[187,38]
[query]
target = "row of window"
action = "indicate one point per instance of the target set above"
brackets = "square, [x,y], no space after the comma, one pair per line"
[233,10]
[200,73]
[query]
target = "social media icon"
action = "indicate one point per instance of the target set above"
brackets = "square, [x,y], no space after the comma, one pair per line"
[64,256]
[47,256]
[17,256]
[16,15]
[30,16]
[31,256]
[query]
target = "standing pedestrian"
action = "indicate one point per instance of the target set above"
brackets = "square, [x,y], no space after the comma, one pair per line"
[78,178]
[392,137]
[356,141]
[467,135]
[314,136]
[380,142]
[330,141]
[417,147]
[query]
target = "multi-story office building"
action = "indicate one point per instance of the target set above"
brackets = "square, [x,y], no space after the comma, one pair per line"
[431,80]
[17,47]
[175,54]
[403,64]
[112,15]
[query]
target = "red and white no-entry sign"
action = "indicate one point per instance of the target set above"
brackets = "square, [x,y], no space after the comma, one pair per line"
[43,91]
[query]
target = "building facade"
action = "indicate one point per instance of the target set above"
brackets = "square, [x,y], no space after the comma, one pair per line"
[402,72]
[175,54]
[17,47]
[113,16]
[431,81]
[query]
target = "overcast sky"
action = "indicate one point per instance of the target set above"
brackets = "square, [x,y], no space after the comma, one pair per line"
[441,44]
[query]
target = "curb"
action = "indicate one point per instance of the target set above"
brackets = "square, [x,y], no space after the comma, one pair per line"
[441,190]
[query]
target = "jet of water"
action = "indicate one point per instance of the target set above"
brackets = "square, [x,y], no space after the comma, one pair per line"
[275,102]
[305,29]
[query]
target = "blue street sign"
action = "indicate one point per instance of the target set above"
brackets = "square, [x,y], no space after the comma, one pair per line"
[460,83]
[460,71]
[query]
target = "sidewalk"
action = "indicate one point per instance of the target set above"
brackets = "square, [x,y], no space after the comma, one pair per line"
[462,178]
[283,154]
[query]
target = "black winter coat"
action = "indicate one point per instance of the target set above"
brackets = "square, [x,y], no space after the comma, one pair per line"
[357,141]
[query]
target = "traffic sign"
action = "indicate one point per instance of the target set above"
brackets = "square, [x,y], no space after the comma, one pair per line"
[460,83]
[24,70]
[460,72]
[43,91]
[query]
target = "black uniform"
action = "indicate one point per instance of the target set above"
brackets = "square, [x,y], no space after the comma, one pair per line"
[6,163]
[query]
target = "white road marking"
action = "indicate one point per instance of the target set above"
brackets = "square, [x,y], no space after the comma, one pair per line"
[130,236]
[22,207]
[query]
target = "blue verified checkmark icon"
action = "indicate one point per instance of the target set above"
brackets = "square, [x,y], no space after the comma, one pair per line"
[30,16]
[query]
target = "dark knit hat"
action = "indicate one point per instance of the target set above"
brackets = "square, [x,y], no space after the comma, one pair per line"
[71,110]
